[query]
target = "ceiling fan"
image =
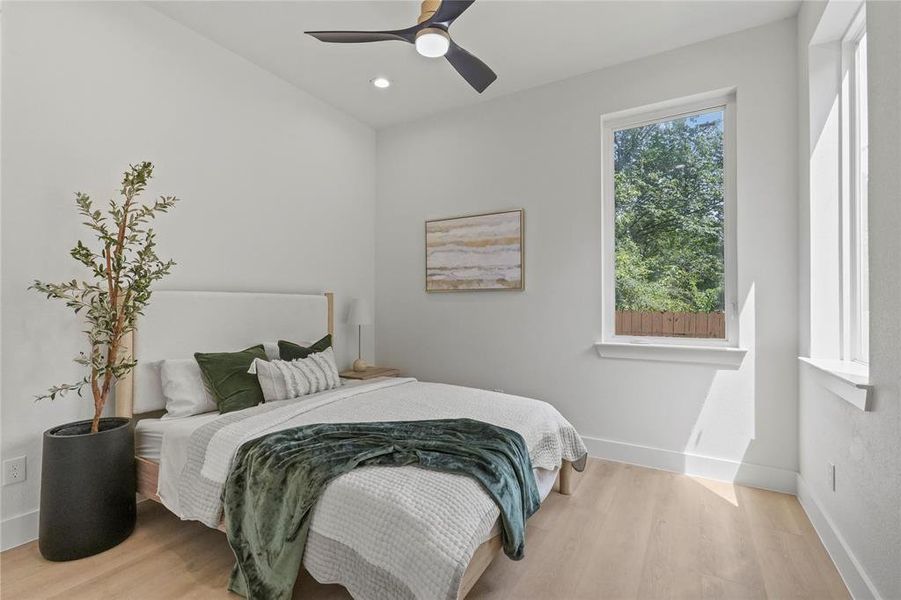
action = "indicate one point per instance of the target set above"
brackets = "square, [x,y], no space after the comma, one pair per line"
[431,38]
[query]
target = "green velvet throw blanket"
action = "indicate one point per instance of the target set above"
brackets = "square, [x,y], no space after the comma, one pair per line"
[277,479]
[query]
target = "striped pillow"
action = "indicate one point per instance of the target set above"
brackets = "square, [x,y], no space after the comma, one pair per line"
[284,379]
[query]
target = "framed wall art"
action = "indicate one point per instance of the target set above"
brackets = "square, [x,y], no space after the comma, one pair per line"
[476,252]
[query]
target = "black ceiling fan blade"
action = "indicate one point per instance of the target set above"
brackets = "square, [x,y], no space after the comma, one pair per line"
[474,71]
[449,10]
[357,37]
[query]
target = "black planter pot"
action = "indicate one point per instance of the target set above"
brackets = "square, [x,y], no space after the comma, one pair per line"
[87,489]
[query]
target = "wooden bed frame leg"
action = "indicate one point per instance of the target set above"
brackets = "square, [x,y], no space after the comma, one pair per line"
[480,561]
[568,479]
[148,477]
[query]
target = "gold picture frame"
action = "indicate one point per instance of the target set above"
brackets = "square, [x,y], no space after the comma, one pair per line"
[476,253]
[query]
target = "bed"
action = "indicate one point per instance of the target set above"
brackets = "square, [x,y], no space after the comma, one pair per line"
[381,532]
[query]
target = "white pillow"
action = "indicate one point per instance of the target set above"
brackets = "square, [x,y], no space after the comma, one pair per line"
[284,379]
[184,390]
[271,350]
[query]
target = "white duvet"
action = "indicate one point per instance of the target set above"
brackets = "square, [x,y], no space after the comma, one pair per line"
[381,532]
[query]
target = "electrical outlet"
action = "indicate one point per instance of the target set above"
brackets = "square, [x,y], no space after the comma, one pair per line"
[830,474]
[14,470]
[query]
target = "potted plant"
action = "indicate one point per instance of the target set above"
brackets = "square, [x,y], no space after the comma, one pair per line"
[88,472]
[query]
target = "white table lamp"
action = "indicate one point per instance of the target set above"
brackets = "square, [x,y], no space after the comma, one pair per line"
[359,315]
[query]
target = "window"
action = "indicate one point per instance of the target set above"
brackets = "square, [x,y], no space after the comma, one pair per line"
[856,312]
[669,264]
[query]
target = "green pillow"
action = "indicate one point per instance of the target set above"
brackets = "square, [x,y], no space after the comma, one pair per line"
[226,376]
[292,351]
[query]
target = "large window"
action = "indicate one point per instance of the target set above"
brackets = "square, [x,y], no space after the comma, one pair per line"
[670,260]
[855,143]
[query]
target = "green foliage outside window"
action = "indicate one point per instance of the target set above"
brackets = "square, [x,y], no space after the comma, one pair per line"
[669,232]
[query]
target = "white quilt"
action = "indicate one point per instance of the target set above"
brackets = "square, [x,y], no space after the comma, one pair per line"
[382,532]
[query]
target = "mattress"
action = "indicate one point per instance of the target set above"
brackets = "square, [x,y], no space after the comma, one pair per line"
[150,435]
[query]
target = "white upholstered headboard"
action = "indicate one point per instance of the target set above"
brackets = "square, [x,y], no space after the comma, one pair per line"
[178,324]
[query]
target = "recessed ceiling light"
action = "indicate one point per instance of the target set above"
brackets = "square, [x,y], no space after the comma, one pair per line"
[381,82]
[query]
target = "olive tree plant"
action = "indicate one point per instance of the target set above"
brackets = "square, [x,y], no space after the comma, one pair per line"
[123,266]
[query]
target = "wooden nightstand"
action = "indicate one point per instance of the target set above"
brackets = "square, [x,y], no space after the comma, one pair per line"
[370,373]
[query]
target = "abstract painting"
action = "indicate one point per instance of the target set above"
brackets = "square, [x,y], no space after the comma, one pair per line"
[479,252]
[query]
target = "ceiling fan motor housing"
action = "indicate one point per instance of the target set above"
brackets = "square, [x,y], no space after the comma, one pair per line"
[434,31]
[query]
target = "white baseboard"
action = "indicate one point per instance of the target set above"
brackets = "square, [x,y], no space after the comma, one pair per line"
[759,476]
[19,530]
[855,578]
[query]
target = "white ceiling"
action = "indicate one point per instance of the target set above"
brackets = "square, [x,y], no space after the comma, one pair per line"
[527,43]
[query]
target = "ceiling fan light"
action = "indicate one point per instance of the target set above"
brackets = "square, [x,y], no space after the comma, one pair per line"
[432,42]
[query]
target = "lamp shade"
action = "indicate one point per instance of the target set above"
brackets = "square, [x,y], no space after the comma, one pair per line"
[359,313]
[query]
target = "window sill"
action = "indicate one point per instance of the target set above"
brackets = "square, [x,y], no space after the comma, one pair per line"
[848,380]
[724,356]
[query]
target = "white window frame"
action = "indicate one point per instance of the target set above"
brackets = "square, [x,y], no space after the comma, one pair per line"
[852,312]
[726,101]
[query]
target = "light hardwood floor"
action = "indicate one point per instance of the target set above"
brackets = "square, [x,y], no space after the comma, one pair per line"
[628,532]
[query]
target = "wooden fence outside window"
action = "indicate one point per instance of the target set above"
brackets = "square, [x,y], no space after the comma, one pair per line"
[671,324]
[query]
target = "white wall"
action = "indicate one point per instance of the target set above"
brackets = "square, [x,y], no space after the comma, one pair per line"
[862,524]
[277,188]
[541,150]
